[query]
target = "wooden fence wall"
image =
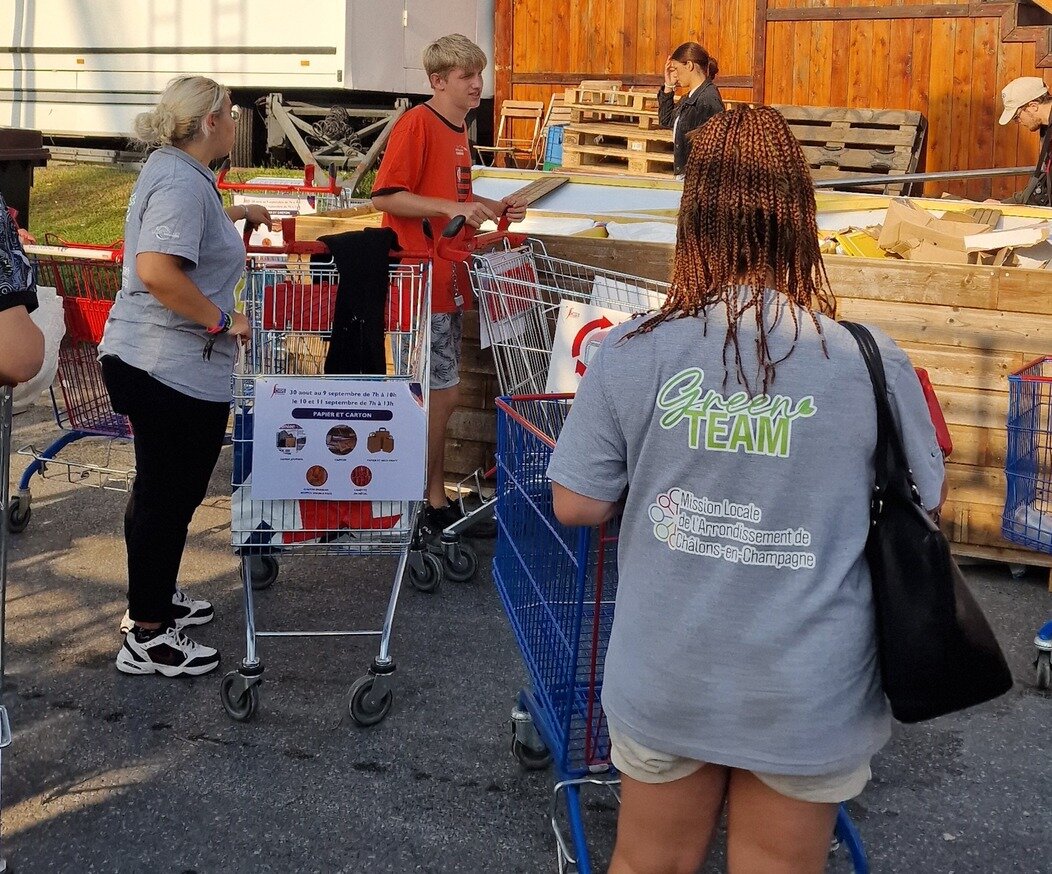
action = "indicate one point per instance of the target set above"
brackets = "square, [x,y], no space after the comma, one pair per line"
[948,60]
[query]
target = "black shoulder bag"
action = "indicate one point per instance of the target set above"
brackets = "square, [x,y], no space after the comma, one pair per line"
[937,652]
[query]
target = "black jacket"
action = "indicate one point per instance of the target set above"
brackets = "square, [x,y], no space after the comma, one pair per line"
[693,111]
[1038,191]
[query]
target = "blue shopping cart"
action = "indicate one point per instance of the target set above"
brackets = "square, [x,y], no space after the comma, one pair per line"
[558,585]
[1027,518]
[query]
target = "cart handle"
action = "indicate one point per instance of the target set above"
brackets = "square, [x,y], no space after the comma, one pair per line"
[471,241]
[308,186]
[292,246]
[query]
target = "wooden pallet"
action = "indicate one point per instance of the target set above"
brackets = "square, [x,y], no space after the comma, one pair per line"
[645,101]
[858,142]
[600,159]
[621,137]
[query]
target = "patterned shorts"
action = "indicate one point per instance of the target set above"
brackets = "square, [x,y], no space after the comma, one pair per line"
[446,331]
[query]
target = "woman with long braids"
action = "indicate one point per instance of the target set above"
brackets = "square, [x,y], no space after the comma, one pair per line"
[735,429]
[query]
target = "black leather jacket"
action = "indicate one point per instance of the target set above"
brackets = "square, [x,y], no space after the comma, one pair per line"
[693,111]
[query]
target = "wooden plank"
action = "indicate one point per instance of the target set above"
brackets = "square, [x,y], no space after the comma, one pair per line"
[976,485]
[891,280]
[872,13]
[859,70]
[974,408]
[961,134]
[974,524]
[984,113]
[940,98]
[948,366]
[539,188]
[822,74]
[503,42]
[839,61]
[878,82]
[982,447]
[851,115]
[1007,554]
[873,160]
[955,326]
[759,51]
[900,57]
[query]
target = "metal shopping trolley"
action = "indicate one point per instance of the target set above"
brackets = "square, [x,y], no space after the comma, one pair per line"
[558,585]
[5,473]
[87,279]
[328,507]
[1027,518]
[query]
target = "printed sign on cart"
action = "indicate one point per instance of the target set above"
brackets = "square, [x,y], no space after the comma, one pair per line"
[579,330]
[338,439]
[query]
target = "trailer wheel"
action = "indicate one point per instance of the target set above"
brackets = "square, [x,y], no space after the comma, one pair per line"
[241,153]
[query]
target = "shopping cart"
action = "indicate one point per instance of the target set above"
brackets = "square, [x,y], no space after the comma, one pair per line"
[87,279]
[520,291]
[290,308]
[5,472]
[1027,518]
[558,585]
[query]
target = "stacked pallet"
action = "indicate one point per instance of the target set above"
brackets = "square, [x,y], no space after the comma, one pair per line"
[614,131]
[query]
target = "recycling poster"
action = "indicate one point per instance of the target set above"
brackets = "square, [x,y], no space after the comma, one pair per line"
[338,439]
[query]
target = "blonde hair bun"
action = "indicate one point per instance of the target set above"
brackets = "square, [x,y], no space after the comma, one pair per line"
[178,114]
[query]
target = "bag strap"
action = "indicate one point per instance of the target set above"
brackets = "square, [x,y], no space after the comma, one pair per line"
[890,457]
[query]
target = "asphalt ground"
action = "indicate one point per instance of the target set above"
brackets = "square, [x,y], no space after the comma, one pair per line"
[112,773]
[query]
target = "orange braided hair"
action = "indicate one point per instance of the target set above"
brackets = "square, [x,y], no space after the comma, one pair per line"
[747,214]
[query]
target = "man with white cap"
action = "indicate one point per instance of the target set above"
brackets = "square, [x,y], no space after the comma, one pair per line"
[1027,101]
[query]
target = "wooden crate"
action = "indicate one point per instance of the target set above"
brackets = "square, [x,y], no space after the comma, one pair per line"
[858,142]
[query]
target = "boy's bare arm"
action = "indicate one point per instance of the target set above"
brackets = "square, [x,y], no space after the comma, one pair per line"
[405,204]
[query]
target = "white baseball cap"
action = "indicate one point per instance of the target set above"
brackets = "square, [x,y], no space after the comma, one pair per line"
[1018,93]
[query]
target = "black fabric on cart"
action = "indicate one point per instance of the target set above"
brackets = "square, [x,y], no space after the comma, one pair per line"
[363,260]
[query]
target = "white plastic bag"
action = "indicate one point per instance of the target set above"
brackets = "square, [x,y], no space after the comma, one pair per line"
[51,320]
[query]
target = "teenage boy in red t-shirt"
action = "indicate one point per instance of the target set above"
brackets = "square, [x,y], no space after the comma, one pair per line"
[426,173]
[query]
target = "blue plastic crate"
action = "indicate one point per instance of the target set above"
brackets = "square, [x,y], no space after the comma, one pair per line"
[1027,518]
[553,147]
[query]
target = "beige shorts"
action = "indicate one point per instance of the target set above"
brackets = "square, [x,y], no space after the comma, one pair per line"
[649,766]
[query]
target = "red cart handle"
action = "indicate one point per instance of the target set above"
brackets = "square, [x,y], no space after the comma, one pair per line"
[292,246]
[471,241]
[308,186]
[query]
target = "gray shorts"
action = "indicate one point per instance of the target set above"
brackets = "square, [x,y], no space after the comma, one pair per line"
[446,332]
[649,766]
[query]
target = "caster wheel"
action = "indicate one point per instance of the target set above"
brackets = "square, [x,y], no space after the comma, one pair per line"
[264,570]
[529,758]
[364,711]
[1043,677]
[426,580]
[463,566]
[242,707]
[17,518]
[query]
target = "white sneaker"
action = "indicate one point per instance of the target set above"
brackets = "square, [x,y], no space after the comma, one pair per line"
[186,610]
[170,653]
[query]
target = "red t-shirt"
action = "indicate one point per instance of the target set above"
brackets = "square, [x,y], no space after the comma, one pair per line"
[428,156]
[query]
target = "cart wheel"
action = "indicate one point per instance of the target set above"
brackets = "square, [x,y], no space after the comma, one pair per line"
[17,519]
[428,579]
[264,570]
[463,566]
[1043,676]
[242,707]
[529,758]
[366,712]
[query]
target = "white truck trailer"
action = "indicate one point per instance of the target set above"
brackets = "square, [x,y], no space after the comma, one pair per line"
[80,70]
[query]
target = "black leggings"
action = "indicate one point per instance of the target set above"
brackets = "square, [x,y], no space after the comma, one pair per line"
[177,443]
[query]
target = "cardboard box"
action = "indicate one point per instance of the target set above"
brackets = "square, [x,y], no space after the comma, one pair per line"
[915,234]
[956,238]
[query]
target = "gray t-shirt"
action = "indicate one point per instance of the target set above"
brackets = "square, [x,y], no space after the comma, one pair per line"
[176,209]
[743,631]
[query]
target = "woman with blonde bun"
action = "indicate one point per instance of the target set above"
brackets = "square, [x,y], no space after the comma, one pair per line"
[167,358]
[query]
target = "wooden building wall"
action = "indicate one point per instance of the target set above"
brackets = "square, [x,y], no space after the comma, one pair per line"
[948,60]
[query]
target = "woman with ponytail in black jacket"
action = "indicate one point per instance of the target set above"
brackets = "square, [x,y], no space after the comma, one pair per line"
[690,67]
